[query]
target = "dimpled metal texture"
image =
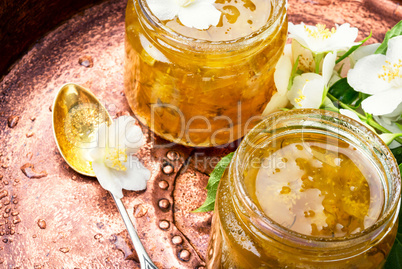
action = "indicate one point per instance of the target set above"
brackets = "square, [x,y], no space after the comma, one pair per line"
[52,217]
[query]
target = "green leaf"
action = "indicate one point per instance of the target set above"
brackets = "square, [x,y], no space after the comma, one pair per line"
[342,91]
[352,49]
[213,183]
[398,154]
[395,31]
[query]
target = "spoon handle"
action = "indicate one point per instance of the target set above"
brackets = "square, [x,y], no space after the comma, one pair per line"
[145,261]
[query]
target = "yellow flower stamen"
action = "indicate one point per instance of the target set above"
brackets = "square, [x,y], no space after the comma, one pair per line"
[301,97]
[115,157]
[321,32]
[391,71]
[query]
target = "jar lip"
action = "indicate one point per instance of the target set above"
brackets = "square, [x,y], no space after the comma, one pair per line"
[264,220]
[173,35]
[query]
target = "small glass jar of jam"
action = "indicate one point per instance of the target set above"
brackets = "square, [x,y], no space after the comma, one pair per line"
[203,87]
[307,189]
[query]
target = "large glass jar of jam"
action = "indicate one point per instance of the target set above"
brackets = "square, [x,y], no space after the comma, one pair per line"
[307,189]
[203,87]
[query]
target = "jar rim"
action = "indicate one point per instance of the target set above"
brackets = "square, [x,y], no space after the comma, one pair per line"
[260,218]
[238,42]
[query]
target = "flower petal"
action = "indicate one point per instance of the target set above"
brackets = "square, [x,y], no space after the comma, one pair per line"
[135,177]
[350,114]
[306,59]
[277,102]
[200,15]
[328,66]
[107,178]
[163,9]
[307,91]
[283,70]
[394,51]
[363,51]
[387,103]
[364,76]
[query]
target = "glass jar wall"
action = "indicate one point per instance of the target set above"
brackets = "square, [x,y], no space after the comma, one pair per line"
[200,92]
[246,235]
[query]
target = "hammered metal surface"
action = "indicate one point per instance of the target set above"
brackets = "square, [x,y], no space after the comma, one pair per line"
[50,216]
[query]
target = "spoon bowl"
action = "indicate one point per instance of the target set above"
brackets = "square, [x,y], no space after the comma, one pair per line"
[77,115]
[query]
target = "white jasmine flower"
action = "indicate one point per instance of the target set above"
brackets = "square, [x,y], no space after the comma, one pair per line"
[380,76]
[112,162]
[308,89]
[199,14]
[320,39]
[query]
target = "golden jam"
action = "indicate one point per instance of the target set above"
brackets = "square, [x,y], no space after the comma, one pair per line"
[306,189]
[317,186]
[203,87]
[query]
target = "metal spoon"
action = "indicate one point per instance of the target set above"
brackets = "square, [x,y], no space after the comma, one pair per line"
[77,113]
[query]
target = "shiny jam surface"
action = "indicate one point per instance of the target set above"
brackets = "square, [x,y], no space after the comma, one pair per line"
[311,184]
[205,97]
[317,186]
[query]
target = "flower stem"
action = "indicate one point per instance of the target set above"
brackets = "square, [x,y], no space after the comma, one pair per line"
[368,120]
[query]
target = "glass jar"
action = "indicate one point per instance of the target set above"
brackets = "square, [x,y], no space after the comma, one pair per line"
[198,92]
[243,236]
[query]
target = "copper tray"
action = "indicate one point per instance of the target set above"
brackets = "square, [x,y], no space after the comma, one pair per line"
[51,217]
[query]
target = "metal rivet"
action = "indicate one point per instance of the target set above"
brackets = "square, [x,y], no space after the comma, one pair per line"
[164,203]
[177,240]
[163,184]
[168,169]
[173,155]
[184,255]
[164,224]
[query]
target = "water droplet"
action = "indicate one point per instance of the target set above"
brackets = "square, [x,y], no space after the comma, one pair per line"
[13,121]
[6,201]
[86,61]
[6,182]
[164,224]
[29,170]
[5,215]
[64,249]
[168,169]
[5,240]
[98,236]
[125,246]
[33,118]
[34,236]
[14,202]
[50,108]
[7,209]
[163,184]
[30,134]
[15,213]
[37,266]
[1,177]
[177,240]
[140,210]
[42,224]
[164,203]
[173,155]
[17,220]
[3,194]
[184,255]
[12,232]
